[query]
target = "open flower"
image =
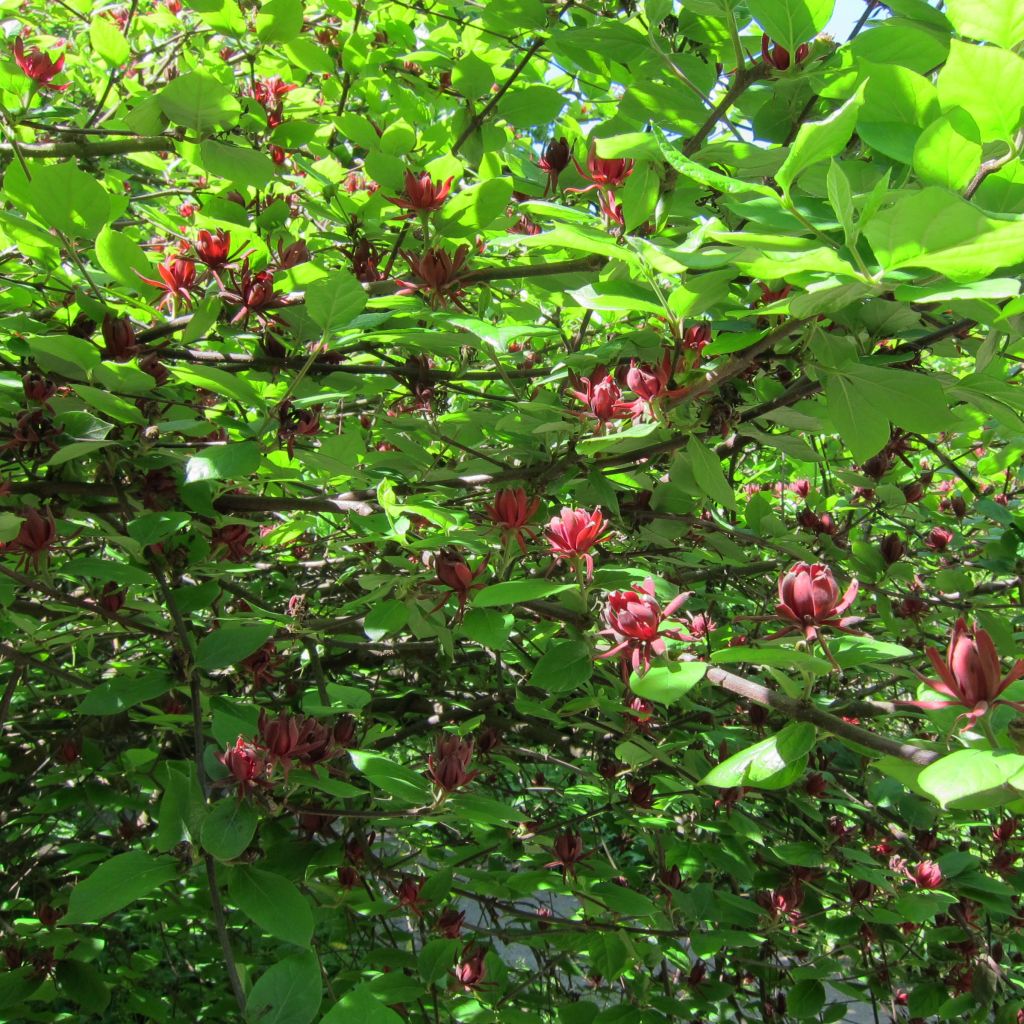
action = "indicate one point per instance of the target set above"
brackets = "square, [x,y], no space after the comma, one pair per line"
[634,620]
[604,173]
[177,279]
[422,195]
[39,66]
[470,970]
[288,738]
[512,510]
[809,598]
[246,765]
[35,538]
[971,676]
[213,249]
[568,851]
[651,385]
[440,276]
[448,766]
[454,573]
[574,532]
[602,397]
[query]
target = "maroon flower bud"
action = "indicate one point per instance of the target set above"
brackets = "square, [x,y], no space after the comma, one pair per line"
[47,915]
[512,510]
[470,971]
[292,255]
[448,766]
[555,160]
[344,732]
[38,388]
[911,607]
[119,337]
[246,765]
[111,598]
[69,751]
[913,492]
[488,738]
[777,57]
[809,520]
[927,875]
[34,539]
[1004,831]
[877,466]
[938,539]
[348,877]
[151,364]
[671,878]
[816,785]
[697,337]
[234,540]
[861,890]
[568,849]
[408,893]
[608,769]
[641,794]
[958,506]
[892,549]
[449,922]
[602,397]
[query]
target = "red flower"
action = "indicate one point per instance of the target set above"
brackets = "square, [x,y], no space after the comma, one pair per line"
[119,337]
[408,893]
[288,739]
[213,249]
[34,539]
[568,851]
[641,794]
[602,397]
[111,598]
[573,533]
[512,510]
[604,173]
[927,875]
[634,620]
[777,56]
[254,292]
[453,572]
[697,338]
[555,160]
[289,256]
[448,766]
[297,423]
[938,539]
[470,971]
[809,598]
[235,539]
[177,278]
[892,549]
[39,66]
[971,676]
[422,194]
[38,388]
[365,260]
[440,275]
[449,922]
[246,765]
[650,384]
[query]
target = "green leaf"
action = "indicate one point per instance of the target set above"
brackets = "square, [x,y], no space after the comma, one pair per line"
[948,152]
[707,471]
[472,209]
[806,999]
[120,257]
[437,958]
[863,427]
[68,199]
[334,301]
[668,683]
[401,782]
[385,618]
[360,1005]
[791,22]
[773,657]
[64,354]
[531,106]
[108,40]
[820,140]
[565,665]
[231,461]
[121,880]
[124,691]
[240,165]
[967,78]
[273,902]
[970,778]
[228,828]
[83,984]
[773,763]
[220,382]
[279,21]
[705,176]
[898,103]
[518,591]
[198,102]
[287,993]
[228,645]
[992,21]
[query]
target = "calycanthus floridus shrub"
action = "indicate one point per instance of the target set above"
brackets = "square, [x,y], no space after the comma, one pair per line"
[511,512]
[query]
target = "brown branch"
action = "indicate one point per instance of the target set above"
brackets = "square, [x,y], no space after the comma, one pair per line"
[743,79]
[802,711]
[100,147]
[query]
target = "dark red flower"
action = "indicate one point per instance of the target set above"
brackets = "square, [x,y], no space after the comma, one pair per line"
[38,388]
[159,490]
[634,620]
[119,338]
[938,539]
[448,766]
[809,598]
[235,539]
[697,338]
[292,255]
[348,877]
[39,66]
[254,292]
[574,532]
[470,970]
[555,160]
[294,423]
[512,511]
[422,195]
[568,850]
[34,538]
[449,922]
[641,794]
[778,57]
[892,549]
[926,875]
[288,738]
[365,261]
[601,395]
[214,250]
[408,893]
[111,598]
[604,173]
[454,572]
[246,765]
[971,676]
[177,278]
[440,275]
[150,363]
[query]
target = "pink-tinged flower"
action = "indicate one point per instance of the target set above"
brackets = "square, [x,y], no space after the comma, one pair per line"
[701,625]
[634,620]
[612,209]
[604,173]
[574,532]
[454,572]
[938,539]
[448,766]
[697,338]
[640,712]
[778,57]
[34,539]
[926,875]
[809,598]
[441,276]
[555,160]
[568,851]
[470,970]
[246,765]
[651,385]
[422,195]
[601,395]
[512,511]
[39,66]
[288,739]
[971,676]
[525,226]
[235,539]
[119,338]
[177,279]
[213,249]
